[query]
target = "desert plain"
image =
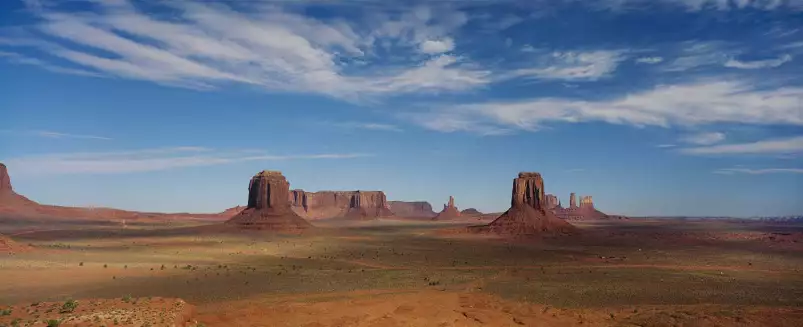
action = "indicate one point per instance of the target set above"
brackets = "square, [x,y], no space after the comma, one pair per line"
[398,271]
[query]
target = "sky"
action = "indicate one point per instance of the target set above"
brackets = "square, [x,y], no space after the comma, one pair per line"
[659,107]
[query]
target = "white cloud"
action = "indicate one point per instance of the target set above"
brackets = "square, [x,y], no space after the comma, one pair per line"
[699,103]
[145,160]
[204,46]
[772,146]
[694,54]
[665,145]
[55,135]
[731,171]
[704,138]
[758,64]
[437,46]
[649,60]
[573,66]
[369,126]
[700,5]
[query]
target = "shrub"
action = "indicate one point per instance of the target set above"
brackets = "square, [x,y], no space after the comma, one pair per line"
[127,298]
[68,306]
[53,323]
[5,312]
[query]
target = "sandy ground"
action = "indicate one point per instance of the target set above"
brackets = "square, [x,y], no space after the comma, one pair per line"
[410,273]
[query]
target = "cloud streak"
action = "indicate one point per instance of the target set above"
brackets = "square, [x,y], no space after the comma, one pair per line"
[146,160]
[758,64]
[704,138]
[772,146]
[689,104]
[262,46]
[54,135]
[731,171]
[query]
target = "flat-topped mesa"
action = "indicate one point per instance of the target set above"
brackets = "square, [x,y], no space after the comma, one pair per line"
[5,180]
[411,209]
[449,211]
[528,214]
[268,208]
[339,204]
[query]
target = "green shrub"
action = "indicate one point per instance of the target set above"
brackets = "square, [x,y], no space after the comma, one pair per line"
[53,323]
[68,306]
[5,312]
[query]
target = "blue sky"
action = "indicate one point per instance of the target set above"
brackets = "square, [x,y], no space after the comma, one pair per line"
[661,107]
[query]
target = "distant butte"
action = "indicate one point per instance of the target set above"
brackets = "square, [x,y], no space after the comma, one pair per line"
[268,208]
[358,205]
[528,214]
[411,209]
[449,211]
[585,211]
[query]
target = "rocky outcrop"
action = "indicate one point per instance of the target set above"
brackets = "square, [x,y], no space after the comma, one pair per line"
[552,201]
[10,200]
[268,208]
[449,211]
[339,204]
[528,215]
[471,212]
[572,201]
[8,246]
[585,211]
[411,209]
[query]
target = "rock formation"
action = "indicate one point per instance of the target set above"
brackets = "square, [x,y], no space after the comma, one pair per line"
[471,212]
[552,201]
[411,209]
[572,201]
[449,211]
[268,208]
[340,204]
[8,198]
[585,211]
[528,215]
[8,246]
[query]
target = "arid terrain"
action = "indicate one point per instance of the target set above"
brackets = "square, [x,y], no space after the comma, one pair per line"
[265,265]
[393,272]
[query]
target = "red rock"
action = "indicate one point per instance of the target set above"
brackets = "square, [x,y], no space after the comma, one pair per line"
[470,212]
[268,208]
[340,204]
[585,211]
[572,201]
[10,200]
[411,209]
[552,201]
[449,211]
[8,246]
[528,215]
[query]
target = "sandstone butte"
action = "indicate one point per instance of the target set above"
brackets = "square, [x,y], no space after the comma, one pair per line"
[411,209]
[528,214]
[268,208]
[8,198]
[585,211]
[449,211]
[471,212]
[339,204]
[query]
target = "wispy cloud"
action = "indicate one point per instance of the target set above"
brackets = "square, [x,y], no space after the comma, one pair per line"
[437,46]
[772,146]
[731,171]
[690,104]
[573,66]
[758,64]
[369,126]
[704,138]
[55,135]
[145,160]
[649,60]
[258,44]
[666,145]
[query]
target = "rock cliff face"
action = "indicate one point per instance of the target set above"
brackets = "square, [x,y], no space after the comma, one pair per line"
[268,208]
[449,211]
[411,209]
[572,201]
[9,199]
[552,201]
[5,180]
[528,215]
[340,204]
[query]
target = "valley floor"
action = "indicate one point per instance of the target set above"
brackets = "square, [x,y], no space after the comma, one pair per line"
[417,273]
